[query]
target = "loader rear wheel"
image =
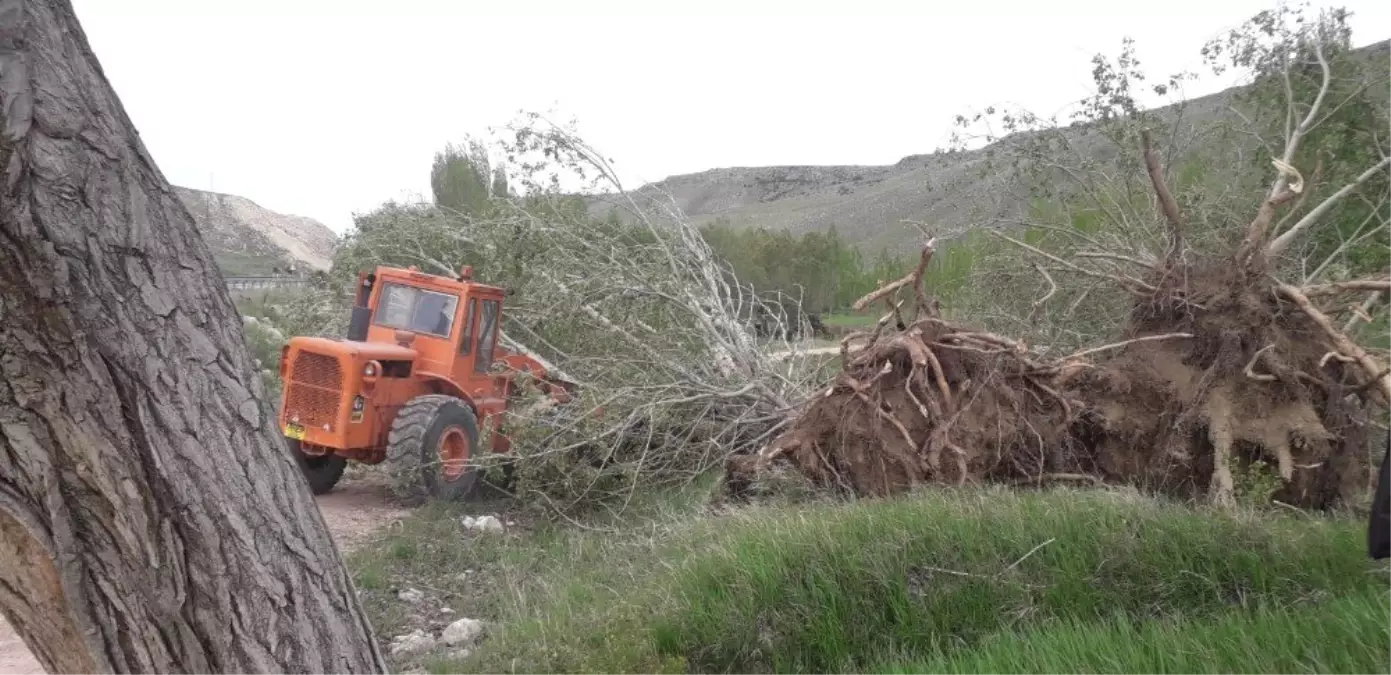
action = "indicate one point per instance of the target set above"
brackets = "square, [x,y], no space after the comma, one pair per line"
[322,471]
[429,449]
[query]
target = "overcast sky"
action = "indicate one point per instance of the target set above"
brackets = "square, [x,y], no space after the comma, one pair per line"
[322,108]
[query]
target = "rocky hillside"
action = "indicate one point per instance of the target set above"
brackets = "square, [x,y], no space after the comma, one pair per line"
[249,240]
[869,204]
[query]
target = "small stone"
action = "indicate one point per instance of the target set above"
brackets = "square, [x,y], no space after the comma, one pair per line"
[411,595]
[462,632]
[412,642]
[488,524]
[446,610]
[460,654]
[511,523]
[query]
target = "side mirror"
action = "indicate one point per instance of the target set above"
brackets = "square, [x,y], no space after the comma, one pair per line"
[404,338]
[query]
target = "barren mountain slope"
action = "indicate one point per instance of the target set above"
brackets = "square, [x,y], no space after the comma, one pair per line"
[248,239]
[869,204]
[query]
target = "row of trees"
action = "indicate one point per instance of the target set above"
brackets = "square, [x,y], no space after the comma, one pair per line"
[821,269]
[827,273]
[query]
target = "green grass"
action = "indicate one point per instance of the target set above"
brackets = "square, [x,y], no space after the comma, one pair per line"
[851,319]
[965,581]
[1342,635]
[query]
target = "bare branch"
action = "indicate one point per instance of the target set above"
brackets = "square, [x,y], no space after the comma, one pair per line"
[1283,241]
[1251,365]
[913,277]
[1167,204]
[1129,283]
[1362,312]
[1378,285]
[1052,289]
[1345,346]
[1117,345]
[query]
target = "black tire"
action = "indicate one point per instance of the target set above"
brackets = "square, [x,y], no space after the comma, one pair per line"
[322,471]
[412,455]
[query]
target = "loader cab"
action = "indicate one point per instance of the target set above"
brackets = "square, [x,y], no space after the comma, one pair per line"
[452,324]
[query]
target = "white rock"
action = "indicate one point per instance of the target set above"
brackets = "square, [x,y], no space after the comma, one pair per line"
[489,524]
[483,523]
[462,632]
[412,642]
[460,654]
[411,595]
[446,610]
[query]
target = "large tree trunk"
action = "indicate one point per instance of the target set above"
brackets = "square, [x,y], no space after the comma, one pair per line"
[151,519]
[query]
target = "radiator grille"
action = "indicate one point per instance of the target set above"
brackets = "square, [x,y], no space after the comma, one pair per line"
[315,389]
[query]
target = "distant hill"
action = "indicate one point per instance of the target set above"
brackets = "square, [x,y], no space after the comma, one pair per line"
[868,204]
[249,240]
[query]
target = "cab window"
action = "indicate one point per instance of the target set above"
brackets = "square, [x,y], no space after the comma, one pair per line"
[487,336]
[466,342]
[416,309]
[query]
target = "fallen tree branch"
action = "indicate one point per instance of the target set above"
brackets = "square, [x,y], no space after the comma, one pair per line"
[1251,365]
[1375,285]
[1132,284]
[1341,342]
[915,276]
[1125,343]
[1167,204]
[1281,242]
[1052,290]
[1363,311]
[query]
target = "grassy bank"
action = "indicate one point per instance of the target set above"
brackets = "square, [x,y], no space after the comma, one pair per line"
[961,581]
[850,319]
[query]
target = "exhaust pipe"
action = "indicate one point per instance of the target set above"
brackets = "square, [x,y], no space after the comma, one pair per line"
[362,312]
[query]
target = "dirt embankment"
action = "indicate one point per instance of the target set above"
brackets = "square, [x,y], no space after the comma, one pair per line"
[354,510]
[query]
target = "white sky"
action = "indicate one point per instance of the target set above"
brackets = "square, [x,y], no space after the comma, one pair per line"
[326,107]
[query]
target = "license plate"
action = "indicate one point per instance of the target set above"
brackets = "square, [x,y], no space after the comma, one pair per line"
[294,431]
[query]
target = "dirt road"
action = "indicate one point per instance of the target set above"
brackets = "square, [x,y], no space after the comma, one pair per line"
[356,508]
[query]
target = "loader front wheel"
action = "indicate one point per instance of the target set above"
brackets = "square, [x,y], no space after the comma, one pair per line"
[430,449]
[322,471]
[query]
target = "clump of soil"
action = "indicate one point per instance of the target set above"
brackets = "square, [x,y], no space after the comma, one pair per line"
[1254,382]
[933,403]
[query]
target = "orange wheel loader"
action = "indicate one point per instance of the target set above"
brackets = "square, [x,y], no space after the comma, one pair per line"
[420,379]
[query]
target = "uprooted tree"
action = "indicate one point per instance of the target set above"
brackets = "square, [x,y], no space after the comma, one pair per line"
[151,519]
[1221,359]
[633,306]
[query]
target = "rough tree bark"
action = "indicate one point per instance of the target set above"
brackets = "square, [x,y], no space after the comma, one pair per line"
[151,520]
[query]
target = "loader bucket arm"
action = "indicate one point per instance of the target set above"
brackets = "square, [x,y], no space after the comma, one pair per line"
[525,358]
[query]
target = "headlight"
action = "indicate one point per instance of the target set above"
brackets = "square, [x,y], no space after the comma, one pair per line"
[370,370]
